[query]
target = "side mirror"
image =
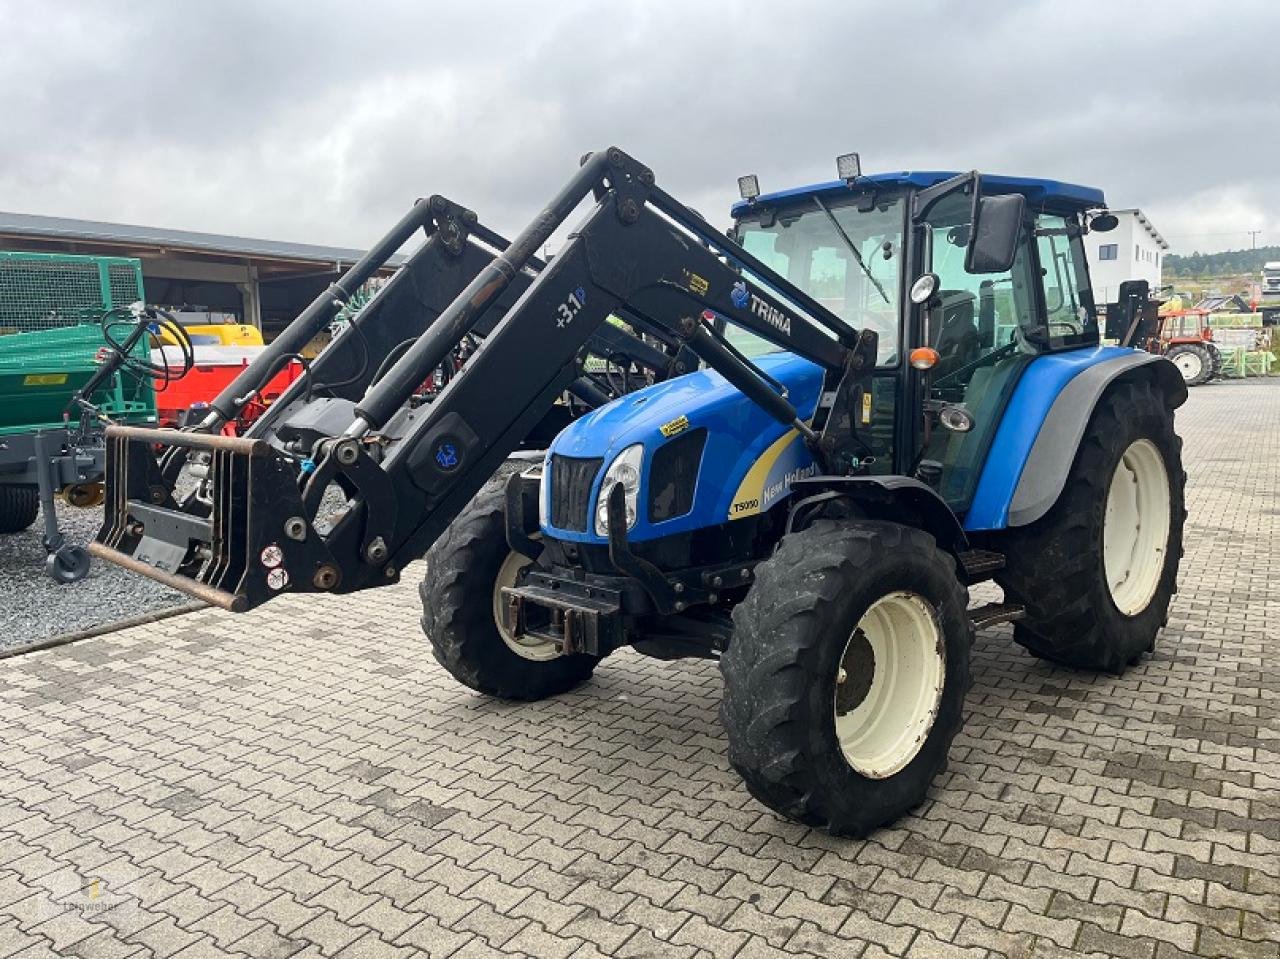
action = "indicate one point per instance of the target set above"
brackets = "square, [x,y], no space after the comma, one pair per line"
[1104,223]
[997,226]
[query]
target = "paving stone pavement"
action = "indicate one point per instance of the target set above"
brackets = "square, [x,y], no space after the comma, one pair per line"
[306,780]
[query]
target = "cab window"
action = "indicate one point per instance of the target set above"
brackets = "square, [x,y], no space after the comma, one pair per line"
[804,246]
[1070,316]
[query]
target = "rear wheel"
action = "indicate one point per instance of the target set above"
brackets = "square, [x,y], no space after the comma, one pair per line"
[19,506]
[845,679]
[1215,356]
[1098,571]
[464,613]
[1193,361]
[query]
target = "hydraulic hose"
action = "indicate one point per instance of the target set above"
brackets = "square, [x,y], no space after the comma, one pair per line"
[120,354]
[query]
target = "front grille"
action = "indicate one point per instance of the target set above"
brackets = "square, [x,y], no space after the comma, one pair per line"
[674,475]
[571,480]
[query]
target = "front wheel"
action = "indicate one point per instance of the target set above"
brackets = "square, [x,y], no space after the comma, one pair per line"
[846,675]
[464,614]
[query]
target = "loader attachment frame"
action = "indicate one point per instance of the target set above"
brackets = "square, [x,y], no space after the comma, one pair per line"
[406,469]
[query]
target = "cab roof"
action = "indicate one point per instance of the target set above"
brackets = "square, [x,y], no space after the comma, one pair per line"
[1038,192]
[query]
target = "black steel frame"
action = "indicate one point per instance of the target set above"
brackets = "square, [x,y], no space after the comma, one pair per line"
[408,471]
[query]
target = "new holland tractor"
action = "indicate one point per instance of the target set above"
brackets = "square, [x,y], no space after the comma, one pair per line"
[871,395]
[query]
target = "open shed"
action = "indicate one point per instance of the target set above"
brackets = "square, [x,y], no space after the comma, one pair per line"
[265,283]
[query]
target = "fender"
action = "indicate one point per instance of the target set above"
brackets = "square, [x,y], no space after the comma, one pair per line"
[1038,436]
[900,499]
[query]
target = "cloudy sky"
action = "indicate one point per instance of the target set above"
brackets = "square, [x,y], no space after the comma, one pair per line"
[321,121]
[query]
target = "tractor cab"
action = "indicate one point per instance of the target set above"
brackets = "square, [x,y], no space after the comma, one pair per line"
[895,252]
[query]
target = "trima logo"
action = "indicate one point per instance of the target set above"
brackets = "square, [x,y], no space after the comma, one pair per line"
[771,314]
[446,456]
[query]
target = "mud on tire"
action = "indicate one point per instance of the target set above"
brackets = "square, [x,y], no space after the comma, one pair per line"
[458,615]
[780,671]
[1056,567]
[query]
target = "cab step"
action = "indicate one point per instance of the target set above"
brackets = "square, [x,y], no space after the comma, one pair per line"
[980,564]
[993,613]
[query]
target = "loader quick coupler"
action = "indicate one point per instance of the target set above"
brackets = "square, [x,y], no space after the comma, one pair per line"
[242,549]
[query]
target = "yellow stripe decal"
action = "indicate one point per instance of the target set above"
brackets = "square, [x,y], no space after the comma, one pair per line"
[746,502]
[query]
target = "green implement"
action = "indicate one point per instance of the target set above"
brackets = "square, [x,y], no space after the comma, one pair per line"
[56,315]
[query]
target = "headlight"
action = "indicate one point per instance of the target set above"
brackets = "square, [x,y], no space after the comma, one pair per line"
[624,469]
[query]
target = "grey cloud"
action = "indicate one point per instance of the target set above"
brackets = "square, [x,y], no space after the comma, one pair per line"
[321,121]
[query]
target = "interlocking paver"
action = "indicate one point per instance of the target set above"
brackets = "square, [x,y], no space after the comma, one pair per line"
[306,780]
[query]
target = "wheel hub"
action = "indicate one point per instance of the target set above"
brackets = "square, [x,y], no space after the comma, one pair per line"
[889,684]
[1189,365]
[537,650]
[857,670]
[1135,531]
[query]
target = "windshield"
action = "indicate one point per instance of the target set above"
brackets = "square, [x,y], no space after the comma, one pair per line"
[804,246]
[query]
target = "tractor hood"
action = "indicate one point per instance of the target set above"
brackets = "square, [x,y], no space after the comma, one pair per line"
[735,447]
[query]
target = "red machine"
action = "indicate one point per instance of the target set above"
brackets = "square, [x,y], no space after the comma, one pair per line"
[215,367]
[1186,339]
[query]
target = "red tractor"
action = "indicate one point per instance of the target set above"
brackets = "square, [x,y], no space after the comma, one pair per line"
[1186,339]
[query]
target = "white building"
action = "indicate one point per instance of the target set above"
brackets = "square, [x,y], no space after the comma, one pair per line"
[1134,250]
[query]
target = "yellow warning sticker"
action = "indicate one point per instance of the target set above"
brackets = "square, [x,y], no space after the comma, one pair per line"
[675,427]
[866,407]
[44,379]
[698,286]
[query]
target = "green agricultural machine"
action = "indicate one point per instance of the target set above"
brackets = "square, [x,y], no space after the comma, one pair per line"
[66,328]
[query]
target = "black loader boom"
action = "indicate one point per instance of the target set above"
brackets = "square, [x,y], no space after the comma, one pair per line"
[248,529]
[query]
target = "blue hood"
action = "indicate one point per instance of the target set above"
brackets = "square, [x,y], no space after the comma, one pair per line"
[740,435]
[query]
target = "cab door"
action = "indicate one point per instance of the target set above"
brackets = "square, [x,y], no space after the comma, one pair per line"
[985,328]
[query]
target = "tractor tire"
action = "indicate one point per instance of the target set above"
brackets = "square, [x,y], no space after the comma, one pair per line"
[1194,362]
[19,506]
[462,609]
[1215,355]
[821,727]
[1090,604]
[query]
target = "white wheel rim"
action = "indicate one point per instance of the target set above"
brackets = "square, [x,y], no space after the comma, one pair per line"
[526,647]
[1189,365]
[1135,532]
[889,684]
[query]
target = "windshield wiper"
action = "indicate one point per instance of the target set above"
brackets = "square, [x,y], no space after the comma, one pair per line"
[852,249]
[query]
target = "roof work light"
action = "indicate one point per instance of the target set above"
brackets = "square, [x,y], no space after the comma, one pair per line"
[848,167]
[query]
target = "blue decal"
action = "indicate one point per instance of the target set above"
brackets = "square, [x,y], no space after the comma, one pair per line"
[446,456]
[581,294]
[739,295]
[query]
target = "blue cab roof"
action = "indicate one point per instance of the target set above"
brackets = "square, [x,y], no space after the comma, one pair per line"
[1037,192]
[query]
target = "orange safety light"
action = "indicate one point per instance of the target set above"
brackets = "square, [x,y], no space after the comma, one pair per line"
[924,358]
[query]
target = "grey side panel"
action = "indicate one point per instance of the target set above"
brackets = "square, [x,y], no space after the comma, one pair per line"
[1045,472]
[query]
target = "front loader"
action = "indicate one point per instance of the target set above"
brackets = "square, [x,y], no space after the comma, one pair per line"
[871,395]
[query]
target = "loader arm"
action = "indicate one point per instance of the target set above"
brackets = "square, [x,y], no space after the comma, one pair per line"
[405,469]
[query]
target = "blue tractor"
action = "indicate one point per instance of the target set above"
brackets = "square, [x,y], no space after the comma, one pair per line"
[880,391]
